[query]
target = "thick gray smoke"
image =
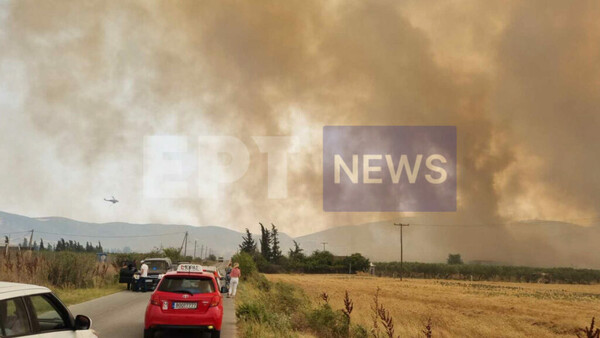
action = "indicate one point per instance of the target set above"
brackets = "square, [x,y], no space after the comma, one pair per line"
[81,84]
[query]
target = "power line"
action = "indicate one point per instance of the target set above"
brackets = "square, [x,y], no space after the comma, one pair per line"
[103,236]
[491,224]
[16,232]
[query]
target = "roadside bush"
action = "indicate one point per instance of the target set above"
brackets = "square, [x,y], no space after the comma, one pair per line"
[327,322]
[267,309]
[63,269]
[247,265]
[252,311]
[359,331]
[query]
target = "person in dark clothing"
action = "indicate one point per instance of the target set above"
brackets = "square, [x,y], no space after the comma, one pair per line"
[132,270]
[125,275]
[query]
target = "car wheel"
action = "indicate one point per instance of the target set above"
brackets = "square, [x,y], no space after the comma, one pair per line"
[148,333]
[215,334]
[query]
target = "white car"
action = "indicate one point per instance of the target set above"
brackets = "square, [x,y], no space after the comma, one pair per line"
[33,311]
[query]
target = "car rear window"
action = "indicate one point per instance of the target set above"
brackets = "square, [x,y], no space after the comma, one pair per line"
[157,266]
[193,285]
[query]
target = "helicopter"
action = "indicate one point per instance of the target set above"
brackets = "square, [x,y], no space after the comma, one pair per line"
[113,200]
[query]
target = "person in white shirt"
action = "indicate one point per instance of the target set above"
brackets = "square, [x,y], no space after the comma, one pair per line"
[143,275]
[144,270]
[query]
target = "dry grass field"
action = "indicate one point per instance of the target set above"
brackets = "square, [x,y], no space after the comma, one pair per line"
[461,309]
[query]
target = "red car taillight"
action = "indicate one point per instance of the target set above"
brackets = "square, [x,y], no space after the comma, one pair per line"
[215,301]
[164,304]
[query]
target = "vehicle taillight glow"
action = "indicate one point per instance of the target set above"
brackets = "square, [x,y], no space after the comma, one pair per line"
[154,301]
[215,301]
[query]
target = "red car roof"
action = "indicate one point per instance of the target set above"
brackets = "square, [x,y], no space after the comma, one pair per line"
[203,274]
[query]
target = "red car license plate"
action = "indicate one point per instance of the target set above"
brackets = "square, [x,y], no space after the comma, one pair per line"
[185,305]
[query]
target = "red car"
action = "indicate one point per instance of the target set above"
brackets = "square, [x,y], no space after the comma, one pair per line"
[185,299]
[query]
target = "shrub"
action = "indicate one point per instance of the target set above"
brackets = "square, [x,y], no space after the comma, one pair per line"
[252,311]
[247,265]
[326,322]
[64,269]
[358,331]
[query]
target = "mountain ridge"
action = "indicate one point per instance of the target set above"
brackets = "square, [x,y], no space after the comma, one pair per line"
[518,243]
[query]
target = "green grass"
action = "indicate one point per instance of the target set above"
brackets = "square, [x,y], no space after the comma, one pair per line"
[267,309]
[75,296]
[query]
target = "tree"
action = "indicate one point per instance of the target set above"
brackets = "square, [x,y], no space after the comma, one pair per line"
[297,253]
[356,262]
[42,248]
[248,245]
[321,257]
[246,262]
[454,259]
[275,250]
[212,257]
[172,253]
[265,242]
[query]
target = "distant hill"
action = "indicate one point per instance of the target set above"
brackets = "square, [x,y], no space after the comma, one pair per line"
[117,236]
[540,243]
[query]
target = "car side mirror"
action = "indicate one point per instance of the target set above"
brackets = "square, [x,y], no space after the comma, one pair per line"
[82,322]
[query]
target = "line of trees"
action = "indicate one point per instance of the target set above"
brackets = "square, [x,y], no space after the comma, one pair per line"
[270,258]
[478,272]
[61,245]
[74,246]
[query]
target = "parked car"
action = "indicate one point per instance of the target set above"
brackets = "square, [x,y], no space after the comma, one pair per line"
[157,267]
[31,310]
[188,298]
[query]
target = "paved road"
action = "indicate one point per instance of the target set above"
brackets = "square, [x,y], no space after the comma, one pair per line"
[122,315]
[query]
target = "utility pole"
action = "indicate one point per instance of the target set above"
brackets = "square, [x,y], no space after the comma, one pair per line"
[324,243]
[202,251]
[31,240]
[195,245]
[186,240]
[184,244]
[401,225]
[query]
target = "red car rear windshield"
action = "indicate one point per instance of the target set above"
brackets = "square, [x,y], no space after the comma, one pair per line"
[191,285]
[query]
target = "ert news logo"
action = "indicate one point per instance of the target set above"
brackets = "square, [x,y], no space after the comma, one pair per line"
[389,168]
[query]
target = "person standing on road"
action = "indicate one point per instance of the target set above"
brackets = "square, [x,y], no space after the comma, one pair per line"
[235,275]
[143,275]
[131,271]
[126,275]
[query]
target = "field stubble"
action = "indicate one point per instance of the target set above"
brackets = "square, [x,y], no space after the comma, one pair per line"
[460,309]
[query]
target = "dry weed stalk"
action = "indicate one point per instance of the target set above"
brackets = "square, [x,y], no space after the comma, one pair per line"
[381,314]
[386,320]
[427,331]
[589,331]
[374,316]
[348,305]
[325,297]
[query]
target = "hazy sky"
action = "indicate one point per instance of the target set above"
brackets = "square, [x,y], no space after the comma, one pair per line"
[82,84]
